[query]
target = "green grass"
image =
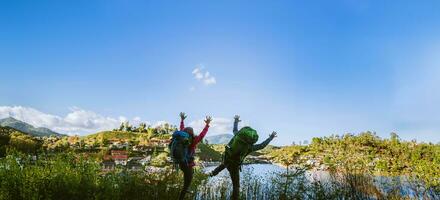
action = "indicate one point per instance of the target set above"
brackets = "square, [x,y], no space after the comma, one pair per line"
[122,135]
[208,153]
[69,176]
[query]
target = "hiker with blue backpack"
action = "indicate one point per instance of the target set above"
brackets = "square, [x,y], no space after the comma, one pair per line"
[182,150]
[241,145]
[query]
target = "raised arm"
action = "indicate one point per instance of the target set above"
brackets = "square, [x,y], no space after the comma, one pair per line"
[236,121]
[182,119]
[265,143]
[202,134]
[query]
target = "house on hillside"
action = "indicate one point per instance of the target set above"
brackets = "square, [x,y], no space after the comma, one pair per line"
[150,148]
[143,148]
[108,165]
[118,144]
[134,163]
[118,152]
[144,161]
[159,142]
[120,159]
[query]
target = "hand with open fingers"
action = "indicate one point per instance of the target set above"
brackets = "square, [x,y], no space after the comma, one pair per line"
[208,120]
[237,118]
[182,115]
[273,134]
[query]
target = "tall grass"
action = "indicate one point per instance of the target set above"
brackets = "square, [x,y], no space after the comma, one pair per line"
[299,183]
[67,176]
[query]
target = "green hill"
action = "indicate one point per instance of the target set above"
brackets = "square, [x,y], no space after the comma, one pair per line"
[27,128]
[8,130]
[109,135]
[5,137]
[367,153]
[15,139]
[208,153]
[123,136]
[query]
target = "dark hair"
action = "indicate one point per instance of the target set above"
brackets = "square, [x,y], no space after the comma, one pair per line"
[189,130]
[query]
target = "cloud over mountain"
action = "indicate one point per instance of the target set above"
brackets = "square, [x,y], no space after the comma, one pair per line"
[77,121]
[218,125]
[82,122]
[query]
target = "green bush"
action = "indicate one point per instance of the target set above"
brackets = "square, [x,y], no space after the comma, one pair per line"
[66,176]
[69,176]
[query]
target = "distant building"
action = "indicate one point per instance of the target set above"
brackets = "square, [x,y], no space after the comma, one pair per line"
[118,152]
[143,148]
[134,163]
[118,144]
[145,161]
[117,156]
[120,159]
[108,165]
[159,142]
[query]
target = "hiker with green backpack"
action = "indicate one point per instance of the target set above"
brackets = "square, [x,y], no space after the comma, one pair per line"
[182,150]
[241,145]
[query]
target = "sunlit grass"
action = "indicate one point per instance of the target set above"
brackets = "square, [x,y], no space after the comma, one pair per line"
[68,176]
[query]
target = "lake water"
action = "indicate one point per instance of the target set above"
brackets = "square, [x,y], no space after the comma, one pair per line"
[265,172]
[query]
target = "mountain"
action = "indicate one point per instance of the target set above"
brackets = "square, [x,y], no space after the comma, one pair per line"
[219,139]
[27,128]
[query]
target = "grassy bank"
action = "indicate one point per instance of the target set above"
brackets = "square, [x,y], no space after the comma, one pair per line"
[67,176]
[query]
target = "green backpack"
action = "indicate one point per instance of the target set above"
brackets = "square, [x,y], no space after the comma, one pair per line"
[240,146]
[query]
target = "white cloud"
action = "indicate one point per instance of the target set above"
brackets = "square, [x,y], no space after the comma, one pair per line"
[30,115]
[209,81]
[122,119]
[204,76]
[218,126]
[196,70]
[198,76]
[160,123]
[197,73]
[78,121]
[82,122]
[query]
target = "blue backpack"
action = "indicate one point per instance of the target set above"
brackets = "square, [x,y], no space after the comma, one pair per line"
[179,147]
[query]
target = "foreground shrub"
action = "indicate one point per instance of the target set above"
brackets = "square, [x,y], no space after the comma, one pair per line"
[67,176]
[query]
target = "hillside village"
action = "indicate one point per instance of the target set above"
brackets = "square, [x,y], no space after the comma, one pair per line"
[128,147]
[133,148]
[145,147]
[138,148]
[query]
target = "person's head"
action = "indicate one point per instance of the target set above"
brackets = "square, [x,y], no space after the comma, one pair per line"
[189,130]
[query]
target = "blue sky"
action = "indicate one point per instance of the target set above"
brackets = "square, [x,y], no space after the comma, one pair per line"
[302,68]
